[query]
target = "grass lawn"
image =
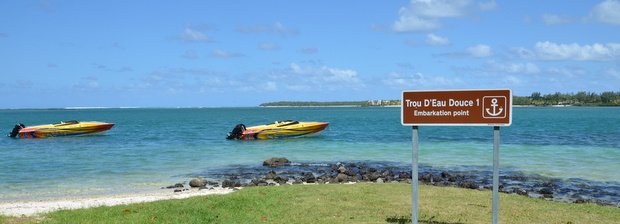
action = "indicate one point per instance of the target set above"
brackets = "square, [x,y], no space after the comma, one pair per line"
[357,203]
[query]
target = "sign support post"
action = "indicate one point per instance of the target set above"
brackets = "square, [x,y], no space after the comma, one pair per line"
[495,174]
[414,176]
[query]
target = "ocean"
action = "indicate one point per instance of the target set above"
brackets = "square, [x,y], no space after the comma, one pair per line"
[154,147]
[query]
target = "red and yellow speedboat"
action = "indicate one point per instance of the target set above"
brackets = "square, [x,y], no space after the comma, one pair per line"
[282,129]
[64,128]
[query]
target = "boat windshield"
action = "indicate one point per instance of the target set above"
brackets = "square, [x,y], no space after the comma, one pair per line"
[286,123]
[67,122]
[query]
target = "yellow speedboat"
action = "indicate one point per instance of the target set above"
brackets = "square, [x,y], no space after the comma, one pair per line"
[64,128]
[282,129]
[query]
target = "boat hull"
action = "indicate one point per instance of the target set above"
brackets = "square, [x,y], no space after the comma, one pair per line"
[283,130]
[63,129]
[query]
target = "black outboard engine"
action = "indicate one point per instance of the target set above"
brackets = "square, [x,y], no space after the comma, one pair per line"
[236,132]
[16,130]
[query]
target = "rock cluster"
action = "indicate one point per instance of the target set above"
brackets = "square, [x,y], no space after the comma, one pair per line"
[280,171]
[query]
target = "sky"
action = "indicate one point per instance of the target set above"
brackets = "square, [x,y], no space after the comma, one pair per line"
[56,54]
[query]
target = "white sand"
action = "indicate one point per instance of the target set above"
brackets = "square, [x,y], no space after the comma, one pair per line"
[29,208]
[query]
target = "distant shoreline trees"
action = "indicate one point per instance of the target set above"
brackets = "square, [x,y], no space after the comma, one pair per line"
[582,98]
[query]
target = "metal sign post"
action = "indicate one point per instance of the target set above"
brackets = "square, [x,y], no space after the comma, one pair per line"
[456,108]
[414,176]
[495,174]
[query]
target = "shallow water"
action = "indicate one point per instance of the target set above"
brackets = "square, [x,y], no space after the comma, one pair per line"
[151,148]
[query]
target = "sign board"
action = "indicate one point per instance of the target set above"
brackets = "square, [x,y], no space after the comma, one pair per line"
[457,107]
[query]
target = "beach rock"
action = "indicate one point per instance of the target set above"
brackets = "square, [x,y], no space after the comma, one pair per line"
[308,178]
[277,161]
[545,190]
[177,185]
[230,184]
[404,175]
[341,177]
[426,178]
[468,184]
[177,190]
[197,182]
[271,175]
[520,191]
[342,169]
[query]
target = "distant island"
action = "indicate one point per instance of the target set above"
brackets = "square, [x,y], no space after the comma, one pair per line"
[581,98]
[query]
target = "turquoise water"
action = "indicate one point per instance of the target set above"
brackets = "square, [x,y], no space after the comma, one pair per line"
[151,148]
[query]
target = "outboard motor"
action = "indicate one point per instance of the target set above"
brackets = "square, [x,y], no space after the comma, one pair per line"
[16,130]
[237,132]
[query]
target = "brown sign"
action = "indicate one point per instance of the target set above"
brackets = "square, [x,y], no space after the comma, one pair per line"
[457,107]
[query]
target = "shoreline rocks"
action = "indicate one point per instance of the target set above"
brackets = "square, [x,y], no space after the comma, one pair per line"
[280,171]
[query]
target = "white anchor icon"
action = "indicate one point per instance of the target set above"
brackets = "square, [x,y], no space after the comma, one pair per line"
[495,113]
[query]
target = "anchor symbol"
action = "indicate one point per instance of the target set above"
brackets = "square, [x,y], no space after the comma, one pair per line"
[494,105]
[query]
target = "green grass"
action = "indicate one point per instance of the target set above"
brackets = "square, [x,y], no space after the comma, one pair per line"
[358,203]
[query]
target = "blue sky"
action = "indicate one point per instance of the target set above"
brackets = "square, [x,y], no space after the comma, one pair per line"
[243,53]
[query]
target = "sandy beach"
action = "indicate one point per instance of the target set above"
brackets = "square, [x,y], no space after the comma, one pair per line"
[29,208]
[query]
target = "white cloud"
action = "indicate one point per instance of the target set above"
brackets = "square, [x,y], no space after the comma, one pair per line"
[479,51]
[607,11]
[270,86]
[433,39]
[512,80]
[553,51]
[268,46]
[487,5]
[551,19]
[225,54]
[191,35]
[424,15]
[276,28]
[190,54]
[419,81]
[512,68]
[412,23]
[309,50]
[322,77]
[571,72]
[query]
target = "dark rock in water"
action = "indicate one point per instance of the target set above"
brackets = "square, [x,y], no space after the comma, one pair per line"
[177,190]
[511,181]
[197,182]
[308,178]
[546,190]
[581,201]
[520,191]
[426,178]
[230,184]
[547,195]
[341,177]
[277,161]
[342,169]
[546,184]
[213,183]
[373,176]
[404,175]
[271,175]
[178,185]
